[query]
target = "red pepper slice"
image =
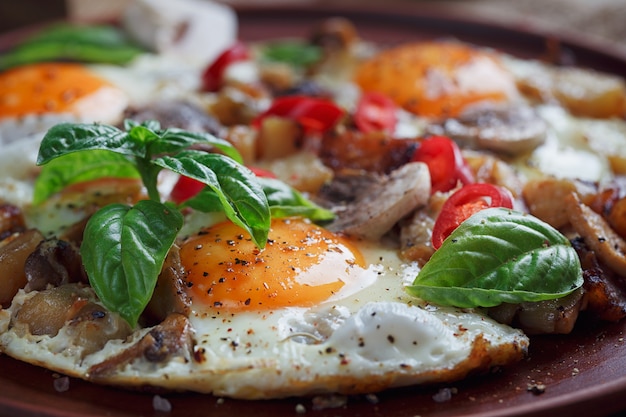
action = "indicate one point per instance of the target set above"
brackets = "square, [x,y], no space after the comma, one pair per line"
[314,114]
[445,163]
[186,187]
[375,112]
[465,202]
[213,75]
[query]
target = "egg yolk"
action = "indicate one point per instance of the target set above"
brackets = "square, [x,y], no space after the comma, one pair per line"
[436,79]
[45,88]
[301,265]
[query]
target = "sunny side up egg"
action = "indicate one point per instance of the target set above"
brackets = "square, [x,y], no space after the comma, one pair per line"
[316,312]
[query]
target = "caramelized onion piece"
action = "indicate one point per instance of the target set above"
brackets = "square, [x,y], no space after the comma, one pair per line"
[47,311]
[544,317]
[598,235]
[385,203]
[13,254]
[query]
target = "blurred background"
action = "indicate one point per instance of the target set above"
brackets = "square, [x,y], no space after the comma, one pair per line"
[602,20]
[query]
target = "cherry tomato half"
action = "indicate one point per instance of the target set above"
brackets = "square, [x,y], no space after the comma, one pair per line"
[445,163]
[375,112]
[186,187]
[213,75]
[468,200]
[314,114]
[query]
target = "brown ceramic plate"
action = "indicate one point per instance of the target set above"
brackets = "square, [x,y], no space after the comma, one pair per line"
[583,373]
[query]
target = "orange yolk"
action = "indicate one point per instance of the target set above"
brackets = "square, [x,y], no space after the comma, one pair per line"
[45,88]
[301,265]
[436,79]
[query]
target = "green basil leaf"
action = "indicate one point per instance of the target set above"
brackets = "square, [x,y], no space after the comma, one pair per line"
[79,167]
[285,201]
[66,138]
[298,54]
[237,188]
[92,44]
[123,251]
[175,140]
[499,256]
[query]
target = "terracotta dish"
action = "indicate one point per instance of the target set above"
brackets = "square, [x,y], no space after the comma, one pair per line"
[583,373]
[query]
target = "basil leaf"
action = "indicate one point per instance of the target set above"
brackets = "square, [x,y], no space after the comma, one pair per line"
[241,196]
[123,251]
[298,54]
[78,167]
[499,256]
[66,138]
[93,44]
[285,201]
[175,140]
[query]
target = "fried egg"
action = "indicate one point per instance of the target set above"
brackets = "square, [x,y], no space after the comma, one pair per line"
[314,312]
[35,97]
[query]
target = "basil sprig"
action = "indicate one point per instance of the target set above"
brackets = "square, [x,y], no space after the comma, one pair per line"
[124,247]
[499,256]
[292,52]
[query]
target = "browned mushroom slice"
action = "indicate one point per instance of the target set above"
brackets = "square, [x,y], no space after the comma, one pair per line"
[605,292]
[598,235]
[169,294]
[375,211]
[173,337]
[14,251]
[512,131]
[54,262]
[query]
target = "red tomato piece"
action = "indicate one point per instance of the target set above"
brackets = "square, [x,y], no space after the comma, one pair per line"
[185,188]
[314,114]
[375,112]
[445,163]
[464,203]
[263,173]
[213,75]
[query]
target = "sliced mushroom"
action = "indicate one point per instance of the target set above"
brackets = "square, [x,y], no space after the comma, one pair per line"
[177,114]
[511,131]
[375,212]
[598,235]
[169,294]
[170,338]
[54,262]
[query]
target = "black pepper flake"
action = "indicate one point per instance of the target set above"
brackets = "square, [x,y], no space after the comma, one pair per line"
[230,242]
[217,304]
[222,279]
[391,339]
[247,302]
[205,274]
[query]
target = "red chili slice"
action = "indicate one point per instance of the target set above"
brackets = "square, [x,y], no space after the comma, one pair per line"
[314,114]
[213,75]
[375,112]
[445,163]
[465,202]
